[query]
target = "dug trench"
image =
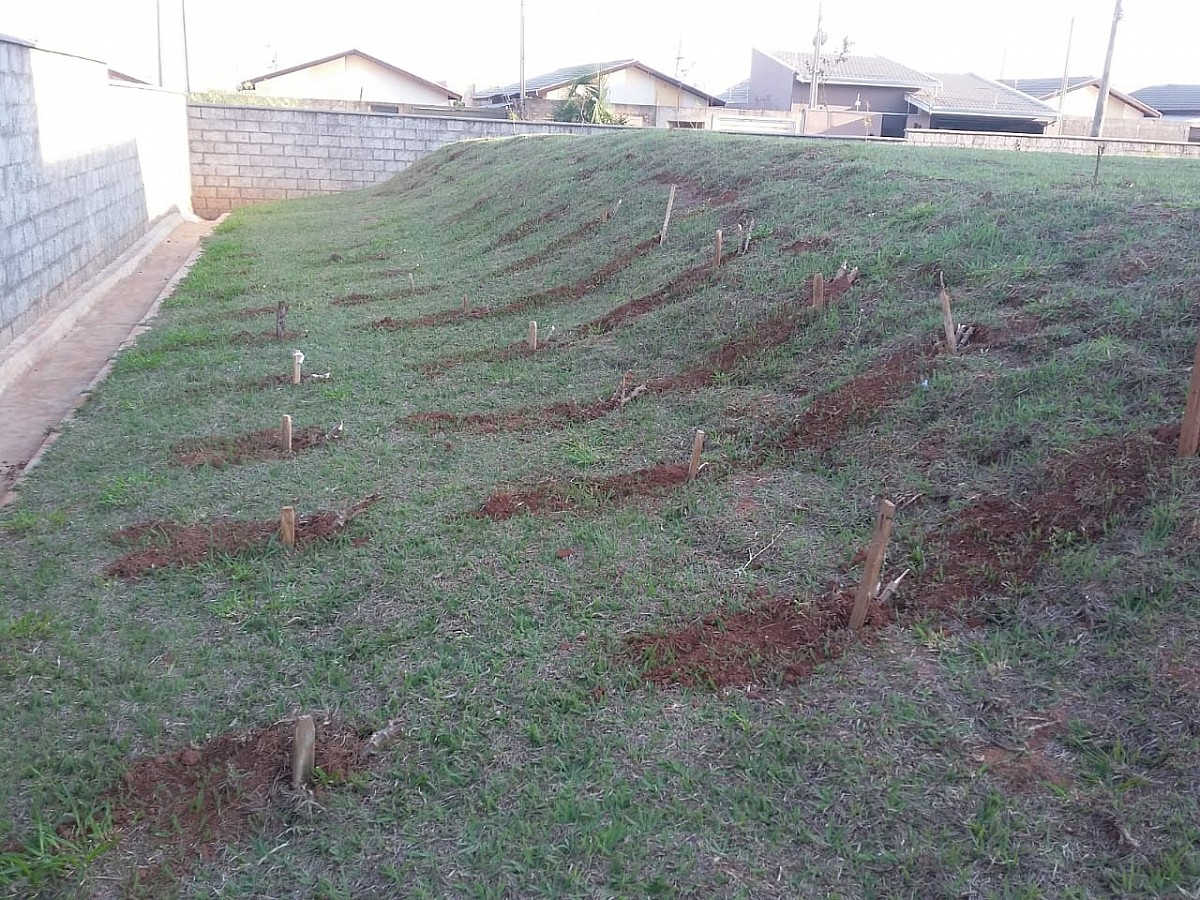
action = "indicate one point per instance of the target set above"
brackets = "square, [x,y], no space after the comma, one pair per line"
[560,294]
[242,448]
[176,810]
[681,287]
[776,331]
[989,545]
[163,544]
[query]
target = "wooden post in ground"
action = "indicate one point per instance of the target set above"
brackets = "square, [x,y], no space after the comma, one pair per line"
[717,249]
[304,752]
[818,291]
[412,282]
[286,429]
[1189,436]
[697,449]
[662,235]
[466,305]
[287,526]
[281,311]
[874,564]
[297,362]
[948,318]
[533,337]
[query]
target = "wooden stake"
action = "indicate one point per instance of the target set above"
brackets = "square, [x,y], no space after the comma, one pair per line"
[281,311]
[287,526]
[1189,436]
[869,585]
[697,449]
[286,428]
[948,317]
[412,282]
[662,236]
[304,752]
[466,305]
[717,251]
[533,336]
[818,291]
[297,362]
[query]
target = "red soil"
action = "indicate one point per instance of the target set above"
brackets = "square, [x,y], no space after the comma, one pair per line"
[362,299]
[774,639]
[690,193]
[830,415]
[570,239]
[559,294]
[527,228]
[553,497]
[177,546]
[182,808]
[232,451]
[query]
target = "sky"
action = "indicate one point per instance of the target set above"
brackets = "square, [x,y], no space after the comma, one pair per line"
[476,42]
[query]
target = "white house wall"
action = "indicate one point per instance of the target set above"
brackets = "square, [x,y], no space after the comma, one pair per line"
[350,78]
[1082,102]
[635,87]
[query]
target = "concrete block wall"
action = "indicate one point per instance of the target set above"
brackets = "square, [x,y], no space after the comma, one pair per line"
[76,188]
[1037,143]
[247,154]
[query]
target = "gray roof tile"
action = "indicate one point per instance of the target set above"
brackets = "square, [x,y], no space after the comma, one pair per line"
[1171,98]
[1041,88]
[562,77]
[971,94]
[858,70]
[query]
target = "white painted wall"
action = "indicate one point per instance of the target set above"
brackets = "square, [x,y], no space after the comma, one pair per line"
[635,87]
[350,78]
[1082,102]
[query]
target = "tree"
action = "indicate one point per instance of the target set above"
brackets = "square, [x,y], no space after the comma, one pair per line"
[587,101]
[821,66]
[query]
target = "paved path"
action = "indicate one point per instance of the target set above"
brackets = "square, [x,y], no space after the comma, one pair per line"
[32,408]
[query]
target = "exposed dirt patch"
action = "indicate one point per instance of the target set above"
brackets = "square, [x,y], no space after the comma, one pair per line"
[525,229]
[997,541]
[176,810]
[808,245]
[682,285]
[562,293]
[774,640]
[570,239]
[558,415]
[1029,767]
[689,193]
[257,445]
[830,415]
[552,497]
[171,545]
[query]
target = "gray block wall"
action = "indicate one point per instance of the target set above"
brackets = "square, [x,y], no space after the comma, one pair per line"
[246,154]
[73,180]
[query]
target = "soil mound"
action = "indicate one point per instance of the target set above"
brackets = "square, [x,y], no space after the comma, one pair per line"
[257,445]
[555,497]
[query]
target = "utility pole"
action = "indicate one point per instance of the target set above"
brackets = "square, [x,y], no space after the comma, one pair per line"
[521,103]
[158,36]
[818,40]
[187,69]
[1066,82]
[1105,79]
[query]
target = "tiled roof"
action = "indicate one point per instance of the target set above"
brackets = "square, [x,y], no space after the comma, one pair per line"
[1169,98]
[858,70]
[738,93]
[539,84]
[1041,88]
[970,94]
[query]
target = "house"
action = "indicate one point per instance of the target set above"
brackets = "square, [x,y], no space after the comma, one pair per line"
[860,86]
[1174,101]
[356,77]
[1081,96]
[644,96]
[970,102]
[738,95]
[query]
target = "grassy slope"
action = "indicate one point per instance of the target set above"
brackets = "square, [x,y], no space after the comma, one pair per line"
[533,761]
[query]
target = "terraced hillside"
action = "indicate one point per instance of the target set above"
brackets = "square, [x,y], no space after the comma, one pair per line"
[546,661]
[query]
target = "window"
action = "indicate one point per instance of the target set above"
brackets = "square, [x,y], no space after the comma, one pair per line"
[389,108]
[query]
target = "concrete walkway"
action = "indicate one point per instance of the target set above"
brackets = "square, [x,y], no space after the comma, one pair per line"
[37,401]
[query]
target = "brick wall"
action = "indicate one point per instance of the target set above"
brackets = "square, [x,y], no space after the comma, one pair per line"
[246,154]
[85,167]
[1084,146]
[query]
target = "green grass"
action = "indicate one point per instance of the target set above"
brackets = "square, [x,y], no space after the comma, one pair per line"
[532,760]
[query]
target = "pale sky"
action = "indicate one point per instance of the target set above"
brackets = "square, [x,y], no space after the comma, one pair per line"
[465,42]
